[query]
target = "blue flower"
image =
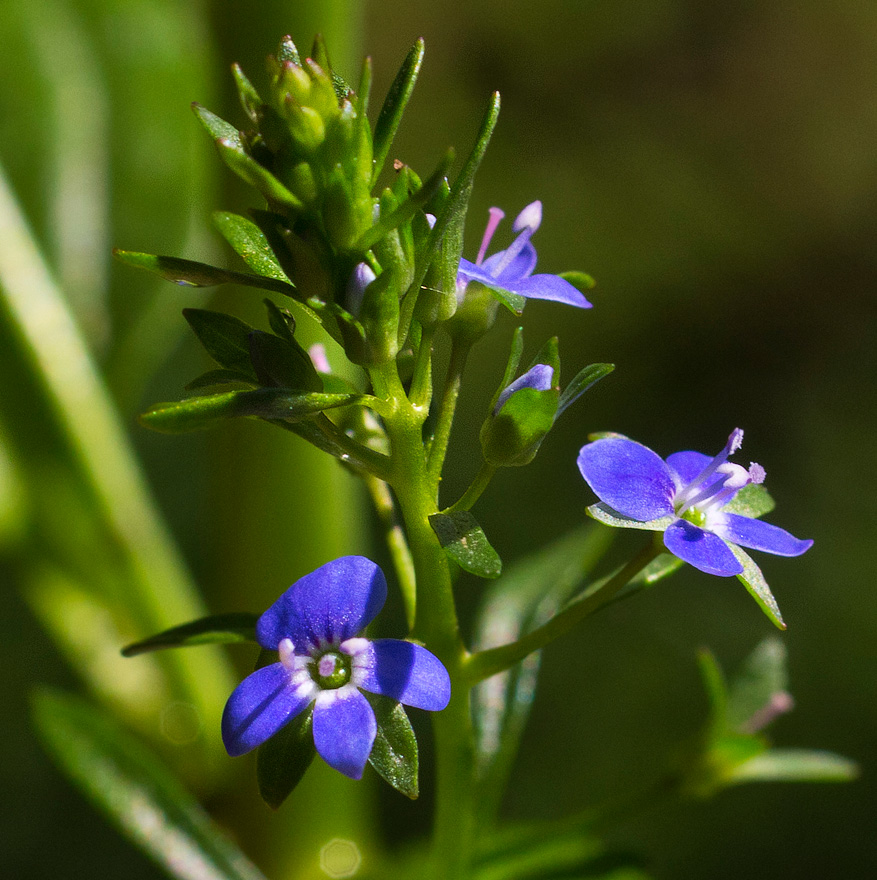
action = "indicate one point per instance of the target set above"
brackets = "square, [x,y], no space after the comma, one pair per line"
[511,270]
[690,497]
[314,626]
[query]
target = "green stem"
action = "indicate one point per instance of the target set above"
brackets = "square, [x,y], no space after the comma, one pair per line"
[397,543]
[439,447]
[487,663]
[375,463]
[473,493]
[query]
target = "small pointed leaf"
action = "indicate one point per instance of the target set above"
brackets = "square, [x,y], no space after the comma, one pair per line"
[250,243]
[213,378]
[465,542]
[754,581]
[796,765]
[762,676]
[217,628]
[282,761]
[587,377]
[580,280]
[394,106]
[658,569]
[281,321]
[394,753]
[249,97]
[282,363]
[216,127]
[225,338]
[250,171]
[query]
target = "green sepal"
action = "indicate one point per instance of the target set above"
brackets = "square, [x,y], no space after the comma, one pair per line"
[215,378]
[225,338]
[189,273]
[795,765]
[603,513]
[283,760]
[250,244]
[196,413]
[287,51]
[464,541]
[282,363]
[549,355]
[379,318]
[581,281]
[249,97]
[217,127]
[583,380]
[394,754]
[516,349]
[752,500]
[250,171]
[394,106]
[511,437]
[514,302]
[217,628]
[752,578]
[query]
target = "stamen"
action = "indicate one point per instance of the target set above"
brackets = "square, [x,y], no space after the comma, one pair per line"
[530,218]
[684,498]
[496,215]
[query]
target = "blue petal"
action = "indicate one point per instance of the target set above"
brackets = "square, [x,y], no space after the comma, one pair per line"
[259,706]
[344,730]
[687,465]
[520,267]
[538,377]
[629,477]
[550,287]
[404,671]
[470,272]
[702,549]
[758,535]
[330,604]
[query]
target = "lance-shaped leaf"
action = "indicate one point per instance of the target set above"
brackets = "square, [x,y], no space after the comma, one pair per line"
[762,677]
[189,273]
[282,362]
[249,97]
[217,127]
[515,351]
[225,338]
[234,155]
[394,106]
[250,244]
[282,761]
[795,765]
[465,542]
[752,578]
[394,753]
[217,628]
[587,377]
[138,794]
[214,378]
[196,413]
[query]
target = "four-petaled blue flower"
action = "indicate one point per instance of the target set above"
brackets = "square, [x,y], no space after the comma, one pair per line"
[512,269]
[314,626]
[686,496]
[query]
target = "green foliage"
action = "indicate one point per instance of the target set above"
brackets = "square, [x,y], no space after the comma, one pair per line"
[394,754]
[234,626]
[283,760]
[465,542]
[136,792]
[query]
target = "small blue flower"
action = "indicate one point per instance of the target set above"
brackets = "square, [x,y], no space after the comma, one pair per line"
[314,626]
[689,497]
[511,270]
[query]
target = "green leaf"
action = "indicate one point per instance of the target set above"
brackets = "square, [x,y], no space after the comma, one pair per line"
[216,127]
[196,413]
[232,152]
[394,753]
[139,795]
[189,273]
[226,339]
[754,581]
[587,377]
[283,760]
[762,676]
[394,106]
[214,378]
[249,97]
[281,321]
[529,593]
[515,351]
[282,363]
[465,542]
[752,500]
[716,689]
[580,280]
[222,628]
[250,244]
[514,302]
[796,765]
[658,569]
[606,515]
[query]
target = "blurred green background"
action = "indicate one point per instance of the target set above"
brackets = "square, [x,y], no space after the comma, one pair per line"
[713,166]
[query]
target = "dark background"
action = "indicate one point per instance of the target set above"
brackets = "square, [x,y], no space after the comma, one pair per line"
[714,167]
